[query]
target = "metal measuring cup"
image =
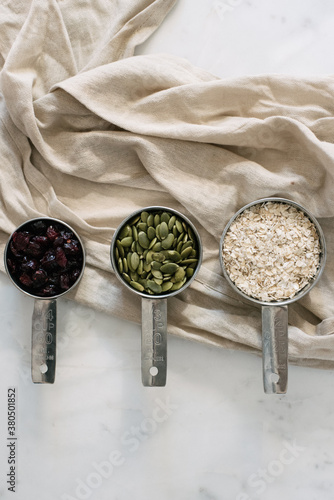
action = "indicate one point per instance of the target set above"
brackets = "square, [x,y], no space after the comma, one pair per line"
[44,318]
[275,313]
[154,307]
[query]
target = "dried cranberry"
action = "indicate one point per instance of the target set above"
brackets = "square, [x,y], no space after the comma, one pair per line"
[49,259]
[58,242]
[67,235]
[14,250]
[28,264]
[61,257]
[71,247]
[34,249]
[25,280]
[40,240]
[64,281]
[52,233]
[21,239]
[39,278]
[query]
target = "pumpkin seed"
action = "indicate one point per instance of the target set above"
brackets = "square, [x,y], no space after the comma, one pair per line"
[186,262]
[156,265]
[120,265]
[134,233]
[171,222]
[186,252]
[134,261]
[156,220]
[165,217]
[126,231]
[126,277]
[173,255]
[179,226]
[157,274]
[151,233]
[143,239]
[169,268]
[127,241]
[120,248]
[144,216]
[125,265]
[179,275]
[153,286]
[168,242]
[150,220]
[158,256]
[153,242]
[140,268]
[163,230]
[167,285]
[137,286]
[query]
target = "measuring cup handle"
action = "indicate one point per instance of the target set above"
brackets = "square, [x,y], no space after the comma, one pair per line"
[154,342]
[275,349]
[43,341]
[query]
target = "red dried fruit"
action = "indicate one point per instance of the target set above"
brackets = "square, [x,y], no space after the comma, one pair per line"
[39,278]
[21,239]
[28,264]
[61,257]
[34,249]
[41,240]
[71,247]
[25,280]
[49,259]
[52,233]
[64,281]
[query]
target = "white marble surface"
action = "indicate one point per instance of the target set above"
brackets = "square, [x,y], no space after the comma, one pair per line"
[211,433]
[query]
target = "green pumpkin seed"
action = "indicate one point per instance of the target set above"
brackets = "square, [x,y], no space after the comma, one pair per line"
[189,272]
[168,242]
[169,268]
[126,277]
[142,226]
[140,268]
[186,262]
[125,232]
[167,285]
[158,256]
[163,231]
[165,217]
[179,275]
[179,226]
[157,232]
[156,220]
[120,265]
[150,220]
[157,274]
[176,286]
[137,286]
[134,276]
[186,245]
[134,233]
[144,216]
[149,257]
[151,233]
[157,247]
[120,248]
[153,286]
[156,265]
[186,252]
[134,261]
[133,246]
[147,267]
[153,242]
[171,222]
[158,281]
[125,265]
[143,239]
[173,256]
[127,241]
[139,249]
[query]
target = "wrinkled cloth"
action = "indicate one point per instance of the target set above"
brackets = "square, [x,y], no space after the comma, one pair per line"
[90,132]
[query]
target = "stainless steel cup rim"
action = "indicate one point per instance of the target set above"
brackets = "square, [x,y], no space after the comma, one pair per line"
[312,281]
[53,219]
[131,217]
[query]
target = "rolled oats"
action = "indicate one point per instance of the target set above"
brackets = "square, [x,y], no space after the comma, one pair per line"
[271,251]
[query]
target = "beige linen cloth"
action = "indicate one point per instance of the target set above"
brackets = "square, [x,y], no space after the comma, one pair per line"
[90,133]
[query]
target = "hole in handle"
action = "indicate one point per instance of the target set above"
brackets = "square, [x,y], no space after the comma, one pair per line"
[154,371]
[43,368]
[274,377]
